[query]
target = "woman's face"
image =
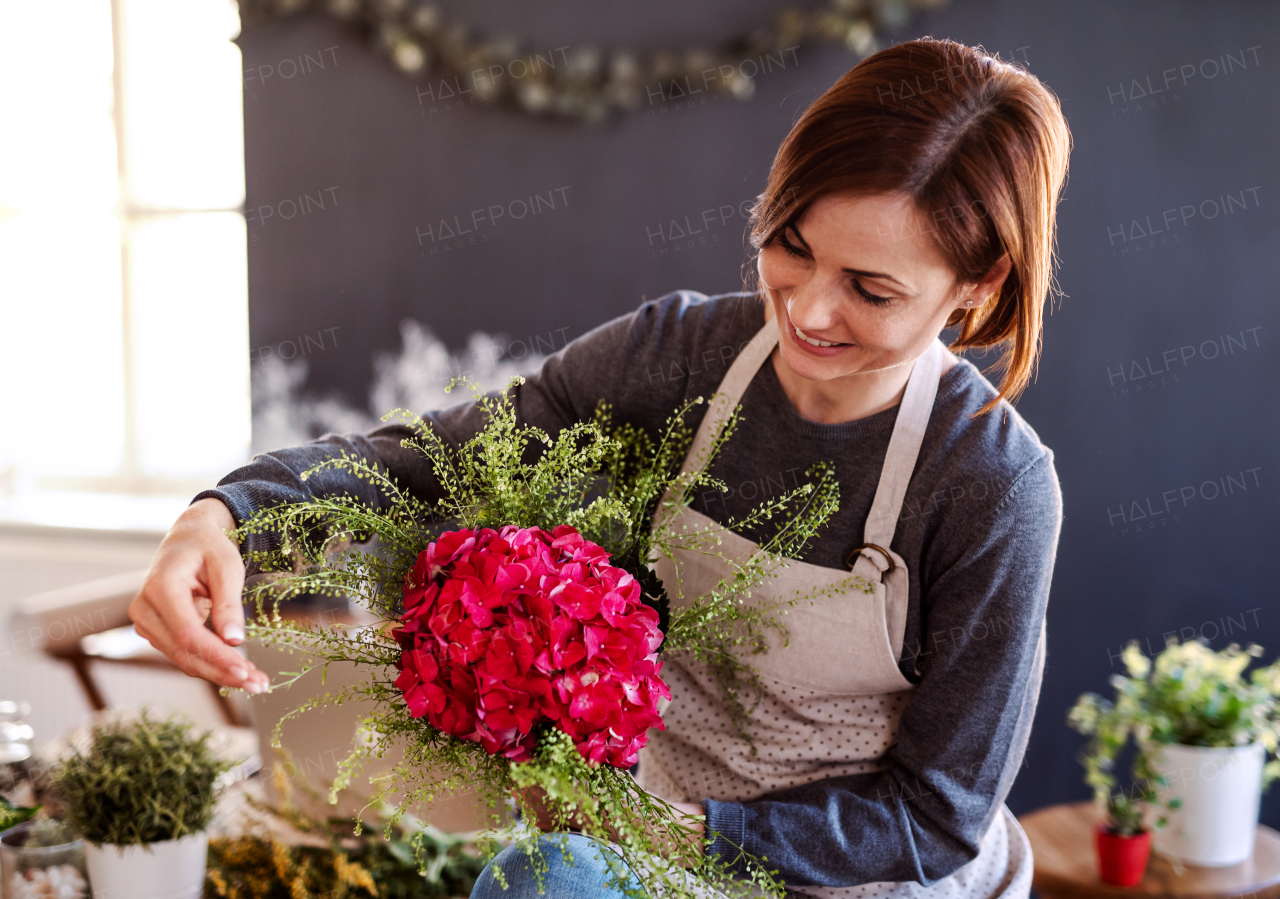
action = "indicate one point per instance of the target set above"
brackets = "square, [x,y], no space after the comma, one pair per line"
[860,273]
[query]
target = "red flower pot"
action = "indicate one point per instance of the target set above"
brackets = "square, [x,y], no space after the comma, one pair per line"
[1121,860]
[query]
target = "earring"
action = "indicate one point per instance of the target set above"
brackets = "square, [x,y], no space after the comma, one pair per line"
[969,303]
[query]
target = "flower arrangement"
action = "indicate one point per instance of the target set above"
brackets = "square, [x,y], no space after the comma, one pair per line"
[1192,696]
[504,630]
[521,626]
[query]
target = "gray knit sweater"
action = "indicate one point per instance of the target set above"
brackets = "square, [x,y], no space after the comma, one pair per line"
[978,531]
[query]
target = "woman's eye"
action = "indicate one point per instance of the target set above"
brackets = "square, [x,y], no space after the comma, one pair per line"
[792,249]
[872,298]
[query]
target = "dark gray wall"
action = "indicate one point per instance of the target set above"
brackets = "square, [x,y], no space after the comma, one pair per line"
[1174,445]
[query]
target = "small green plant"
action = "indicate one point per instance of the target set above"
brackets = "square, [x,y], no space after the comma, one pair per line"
[47,832]
[143,780]
[1125,813]
[1191,696]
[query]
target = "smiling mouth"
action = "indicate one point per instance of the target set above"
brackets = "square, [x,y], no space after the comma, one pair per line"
[812,341]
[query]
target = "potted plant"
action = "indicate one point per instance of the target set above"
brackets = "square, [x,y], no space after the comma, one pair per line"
[1121,842]
[1202,735]
[141,794]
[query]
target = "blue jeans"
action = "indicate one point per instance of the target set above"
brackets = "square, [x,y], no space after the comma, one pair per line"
[582,878]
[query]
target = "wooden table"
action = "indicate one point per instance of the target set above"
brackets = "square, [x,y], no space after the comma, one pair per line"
[1066,866]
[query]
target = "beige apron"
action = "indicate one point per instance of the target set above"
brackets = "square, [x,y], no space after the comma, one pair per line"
[834,694]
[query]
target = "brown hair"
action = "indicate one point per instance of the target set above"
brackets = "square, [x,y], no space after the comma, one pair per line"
[979,144]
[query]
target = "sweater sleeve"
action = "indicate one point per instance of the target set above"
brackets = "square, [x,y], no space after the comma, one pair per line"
[637,362]
[565,390]
[960,740]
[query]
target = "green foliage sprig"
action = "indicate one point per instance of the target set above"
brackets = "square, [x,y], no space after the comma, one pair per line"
[140,781]
[1191,696]
[610,482]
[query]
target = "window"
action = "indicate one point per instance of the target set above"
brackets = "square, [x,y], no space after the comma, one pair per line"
[124,356]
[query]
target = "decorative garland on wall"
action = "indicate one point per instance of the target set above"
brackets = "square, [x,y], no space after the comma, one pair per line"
[582,82]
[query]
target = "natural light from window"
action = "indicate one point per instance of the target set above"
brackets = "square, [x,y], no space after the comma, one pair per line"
[124,354]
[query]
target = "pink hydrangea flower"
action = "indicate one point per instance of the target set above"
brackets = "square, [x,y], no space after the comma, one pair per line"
[506,629]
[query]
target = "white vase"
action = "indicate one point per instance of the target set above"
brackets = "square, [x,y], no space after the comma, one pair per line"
[1220,789]
[172,869]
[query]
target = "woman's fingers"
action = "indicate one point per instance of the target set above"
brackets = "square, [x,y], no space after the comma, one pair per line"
[197,572]
[165,614]
[223,577]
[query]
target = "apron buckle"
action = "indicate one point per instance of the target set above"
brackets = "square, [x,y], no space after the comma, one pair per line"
[857,551]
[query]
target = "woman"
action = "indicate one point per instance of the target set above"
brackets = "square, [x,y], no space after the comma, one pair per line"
[917,193]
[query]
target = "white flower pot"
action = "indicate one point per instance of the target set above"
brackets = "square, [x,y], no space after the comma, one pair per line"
[1220,789]
[173,869]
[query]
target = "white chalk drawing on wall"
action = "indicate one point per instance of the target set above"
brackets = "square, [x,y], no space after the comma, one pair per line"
[413,378]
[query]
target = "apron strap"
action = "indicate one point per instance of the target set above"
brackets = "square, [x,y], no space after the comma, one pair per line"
[904,444]
[730,391]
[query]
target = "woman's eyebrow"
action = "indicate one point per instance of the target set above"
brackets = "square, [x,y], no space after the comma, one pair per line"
[852,271]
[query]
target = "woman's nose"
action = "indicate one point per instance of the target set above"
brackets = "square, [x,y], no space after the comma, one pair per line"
[813,306]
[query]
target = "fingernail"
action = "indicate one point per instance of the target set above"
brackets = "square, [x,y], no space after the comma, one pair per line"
[232,632]
[238,672]
[253,687]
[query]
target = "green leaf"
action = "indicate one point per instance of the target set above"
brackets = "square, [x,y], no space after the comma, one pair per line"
[12,815]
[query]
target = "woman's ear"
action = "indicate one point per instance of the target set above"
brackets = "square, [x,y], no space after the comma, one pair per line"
[980,291]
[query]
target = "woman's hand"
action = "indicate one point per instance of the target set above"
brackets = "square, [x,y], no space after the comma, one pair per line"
[198,574]
[691,815]
[535,801]
[694,818]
